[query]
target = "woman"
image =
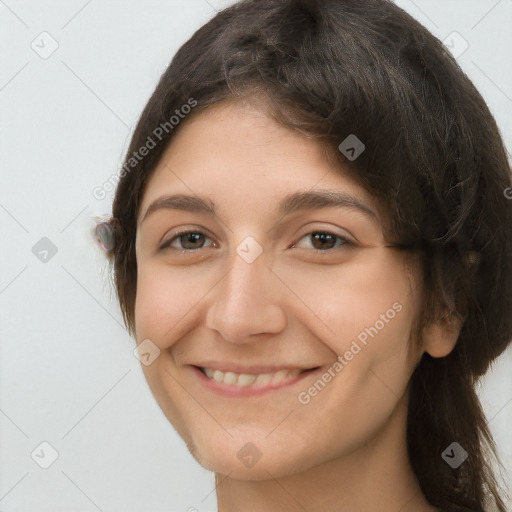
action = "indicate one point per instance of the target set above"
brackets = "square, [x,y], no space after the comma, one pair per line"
[313,250]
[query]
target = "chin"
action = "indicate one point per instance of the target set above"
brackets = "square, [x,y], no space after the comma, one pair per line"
[244,458]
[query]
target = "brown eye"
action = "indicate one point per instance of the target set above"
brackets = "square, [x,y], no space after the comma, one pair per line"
[188,240]
[323,240]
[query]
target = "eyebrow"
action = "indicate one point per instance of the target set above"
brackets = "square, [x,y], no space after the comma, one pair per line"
[292,203]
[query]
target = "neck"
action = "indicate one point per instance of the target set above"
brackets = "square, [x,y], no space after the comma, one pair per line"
[376,476]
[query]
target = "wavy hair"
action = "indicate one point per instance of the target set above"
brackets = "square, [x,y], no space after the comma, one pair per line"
[434,158]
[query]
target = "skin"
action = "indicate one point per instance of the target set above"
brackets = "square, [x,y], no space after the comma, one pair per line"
[345,449]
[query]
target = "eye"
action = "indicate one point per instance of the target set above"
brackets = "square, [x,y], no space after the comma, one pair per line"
[322,241]
[186,240]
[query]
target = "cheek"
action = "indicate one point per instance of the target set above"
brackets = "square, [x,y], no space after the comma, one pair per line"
[366,319]
[167,300]
[364,298]
[364,312]
[158,302]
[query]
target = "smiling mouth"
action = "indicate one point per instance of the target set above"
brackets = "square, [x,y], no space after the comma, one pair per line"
[260,380]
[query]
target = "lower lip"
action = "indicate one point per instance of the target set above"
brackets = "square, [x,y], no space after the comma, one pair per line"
[242,391]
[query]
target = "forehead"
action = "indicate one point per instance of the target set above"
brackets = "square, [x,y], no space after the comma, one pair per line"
[236,150]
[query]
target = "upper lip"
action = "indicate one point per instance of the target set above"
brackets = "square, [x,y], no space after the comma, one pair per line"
[251,369]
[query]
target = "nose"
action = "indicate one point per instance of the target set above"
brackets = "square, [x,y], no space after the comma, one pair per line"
[246,302]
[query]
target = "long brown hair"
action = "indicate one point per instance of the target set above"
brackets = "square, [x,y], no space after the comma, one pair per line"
[433,157]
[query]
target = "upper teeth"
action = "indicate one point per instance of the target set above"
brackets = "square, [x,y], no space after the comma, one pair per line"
[246,379]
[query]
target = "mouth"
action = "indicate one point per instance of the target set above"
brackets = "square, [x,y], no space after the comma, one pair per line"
[250,382]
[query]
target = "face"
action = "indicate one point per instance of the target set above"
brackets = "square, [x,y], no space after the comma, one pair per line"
[283,321]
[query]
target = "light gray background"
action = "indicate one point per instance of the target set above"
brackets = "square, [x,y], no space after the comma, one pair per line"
[67,372]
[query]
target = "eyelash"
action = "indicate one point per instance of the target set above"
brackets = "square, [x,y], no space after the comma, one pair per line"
[345,241]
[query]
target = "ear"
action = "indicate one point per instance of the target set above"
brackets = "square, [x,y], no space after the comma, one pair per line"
[439,338]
